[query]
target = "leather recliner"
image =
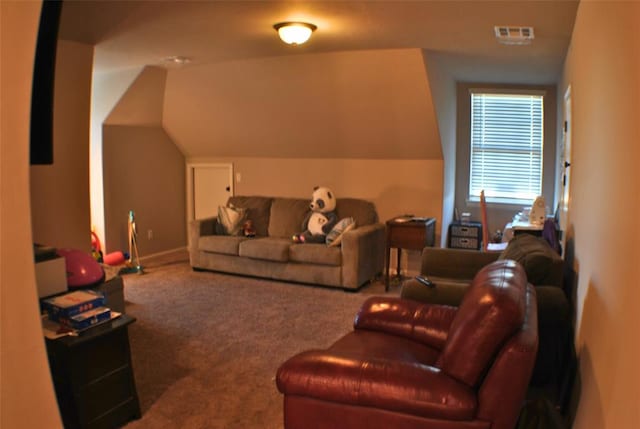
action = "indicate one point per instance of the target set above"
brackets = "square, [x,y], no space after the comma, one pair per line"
[415,365]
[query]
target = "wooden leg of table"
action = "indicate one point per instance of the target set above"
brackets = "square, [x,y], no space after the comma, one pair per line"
[398,263]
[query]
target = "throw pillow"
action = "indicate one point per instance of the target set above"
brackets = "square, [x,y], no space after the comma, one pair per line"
[231,219]
[334,238]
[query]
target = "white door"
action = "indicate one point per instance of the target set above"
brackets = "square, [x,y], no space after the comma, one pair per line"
[211,185]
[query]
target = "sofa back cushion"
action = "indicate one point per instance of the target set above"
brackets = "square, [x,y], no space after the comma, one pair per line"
[362,211]
[492,310]
[542,264]
[287,216]
[258,211]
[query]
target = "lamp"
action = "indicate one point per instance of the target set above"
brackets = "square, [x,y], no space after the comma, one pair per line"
[294,33]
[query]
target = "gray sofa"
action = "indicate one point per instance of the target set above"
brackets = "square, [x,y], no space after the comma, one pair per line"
[272,253]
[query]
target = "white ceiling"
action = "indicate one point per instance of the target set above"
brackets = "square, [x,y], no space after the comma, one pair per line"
[132,34]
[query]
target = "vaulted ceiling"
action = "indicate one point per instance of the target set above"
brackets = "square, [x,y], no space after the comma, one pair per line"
[359,88]
[135,33]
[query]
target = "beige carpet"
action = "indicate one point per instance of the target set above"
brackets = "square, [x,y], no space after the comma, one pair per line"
[206,346]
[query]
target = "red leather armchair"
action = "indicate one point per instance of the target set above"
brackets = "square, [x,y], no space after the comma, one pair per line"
[415,365]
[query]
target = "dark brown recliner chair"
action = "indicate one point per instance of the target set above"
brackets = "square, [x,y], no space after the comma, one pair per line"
[415,365]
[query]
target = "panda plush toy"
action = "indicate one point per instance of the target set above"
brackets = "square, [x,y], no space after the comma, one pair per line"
[321,217]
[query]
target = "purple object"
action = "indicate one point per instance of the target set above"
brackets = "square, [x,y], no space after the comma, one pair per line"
[82,269]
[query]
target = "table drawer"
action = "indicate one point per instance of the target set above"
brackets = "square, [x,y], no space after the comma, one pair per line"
[407,238]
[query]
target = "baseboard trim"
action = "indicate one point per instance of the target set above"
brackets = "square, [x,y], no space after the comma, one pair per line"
[165,252]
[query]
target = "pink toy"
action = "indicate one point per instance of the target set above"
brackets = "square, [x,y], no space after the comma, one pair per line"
[114,258]
[82,269]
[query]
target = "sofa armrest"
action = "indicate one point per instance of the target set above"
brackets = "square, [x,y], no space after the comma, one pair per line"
[454,263]
[399,386]
[425,323]
[199,228]
[362,254]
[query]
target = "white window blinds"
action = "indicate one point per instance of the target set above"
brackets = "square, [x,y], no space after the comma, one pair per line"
[506,147]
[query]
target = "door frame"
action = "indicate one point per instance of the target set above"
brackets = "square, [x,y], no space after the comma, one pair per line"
[191,166]
[565,166]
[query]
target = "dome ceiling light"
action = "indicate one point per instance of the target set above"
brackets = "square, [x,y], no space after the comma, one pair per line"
[294,33]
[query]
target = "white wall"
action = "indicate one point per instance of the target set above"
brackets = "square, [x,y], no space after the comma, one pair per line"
[26,393]
[603,69]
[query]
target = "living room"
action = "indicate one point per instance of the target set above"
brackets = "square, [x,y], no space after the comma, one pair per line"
[601,68]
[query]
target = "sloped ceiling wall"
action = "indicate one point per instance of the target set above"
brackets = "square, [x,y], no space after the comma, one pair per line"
[363,104]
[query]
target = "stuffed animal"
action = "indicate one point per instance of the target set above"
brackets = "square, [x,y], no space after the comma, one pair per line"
[247,229]
[321,217]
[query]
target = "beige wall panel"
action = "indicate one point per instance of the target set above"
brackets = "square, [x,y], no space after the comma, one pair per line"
[60,192]
[143,101]
[394,186]
[364,104]
[143,172]
[27,399]
[603,69]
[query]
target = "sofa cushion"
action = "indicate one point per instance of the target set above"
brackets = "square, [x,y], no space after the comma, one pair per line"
[315,254]
[267,248]
[287,216]
[258,211]
[227,244]
[363,212]
[541,263]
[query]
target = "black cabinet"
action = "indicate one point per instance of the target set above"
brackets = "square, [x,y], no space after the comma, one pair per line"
[93,376]
[467,235]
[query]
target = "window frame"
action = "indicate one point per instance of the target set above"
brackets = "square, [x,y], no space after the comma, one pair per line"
[507,201]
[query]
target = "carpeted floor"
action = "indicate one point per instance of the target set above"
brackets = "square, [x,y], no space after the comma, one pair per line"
[206,346]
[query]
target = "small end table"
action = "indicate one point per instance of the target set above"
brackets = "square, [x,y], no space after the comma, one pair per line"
[93,376]
[407,232]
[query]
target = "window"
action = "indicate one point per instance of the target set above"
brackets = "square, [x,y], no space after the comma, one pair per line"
[506,146]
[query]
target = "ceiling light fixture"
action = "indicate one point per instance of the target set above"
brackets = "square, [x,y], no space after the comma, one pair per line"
[294,33]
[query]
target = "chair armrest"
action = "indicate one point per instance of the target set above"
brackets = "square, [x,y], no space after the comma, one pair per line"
[362,254]
[454,263]
[398,386]
[425,323]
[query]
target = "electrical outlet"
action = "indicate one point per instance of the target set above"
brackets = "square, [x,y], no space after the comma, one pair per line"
[149,234]
[238,177]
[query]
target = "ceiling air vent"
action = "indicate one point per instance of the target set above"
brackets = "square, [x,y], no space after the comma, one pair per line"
[513,35]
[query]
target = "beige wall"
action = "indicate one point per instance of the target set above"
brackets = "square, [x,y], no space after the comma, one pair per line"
[107,89]
[358,105]
[443,87]
[26,393]
[60,192]
[603,69]
[394,186]
[143,172]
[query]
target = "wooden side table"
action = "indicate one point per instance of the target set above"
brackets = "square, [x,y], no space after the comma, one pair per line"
[93,376]
[407,233]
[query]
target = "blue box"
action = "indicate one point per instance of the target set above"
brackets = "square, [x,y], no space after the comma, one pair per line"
[72,303]
[87,319]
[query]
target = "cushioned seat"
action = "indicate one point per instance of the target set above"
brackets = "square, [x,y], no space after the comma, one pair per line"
[415,365]
[451,271]
[268,249]
[316,254]
[227,244]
